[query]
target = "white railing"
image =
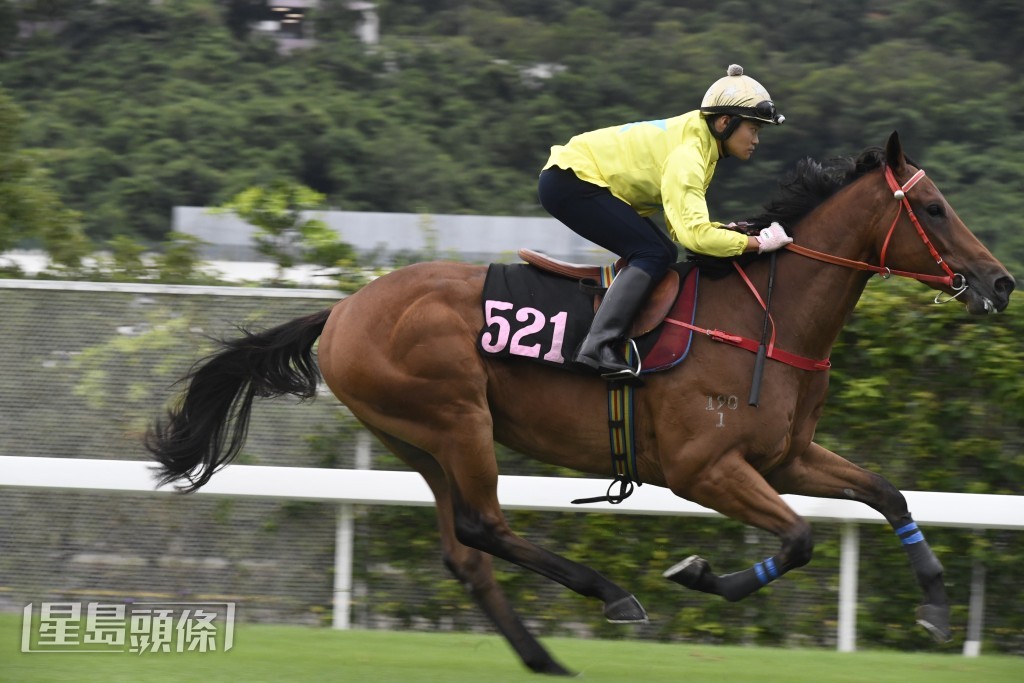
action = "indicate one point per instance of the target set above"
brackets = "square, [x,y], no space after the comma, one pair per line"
[371,487]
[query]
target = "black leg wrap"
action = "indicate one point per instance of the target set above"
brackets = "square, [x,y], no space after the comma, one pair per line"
[738,585]
[695,572]
[933,615]
[923,561]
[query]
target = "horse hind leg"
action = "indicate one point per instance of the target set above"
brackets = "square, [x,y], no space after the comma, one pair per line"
[472,567]
[466,453]
[479,523]
[485,528]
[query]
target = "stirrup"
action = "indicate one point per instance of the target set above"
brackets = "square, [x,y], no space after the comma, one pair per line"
[626,373]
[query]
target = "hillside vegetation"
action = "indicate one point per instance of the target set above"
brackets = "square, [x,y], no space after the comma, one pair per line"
[134,107]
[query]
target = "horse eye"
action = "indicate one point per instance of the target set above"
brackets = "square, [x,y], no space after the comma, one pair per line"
[936,210]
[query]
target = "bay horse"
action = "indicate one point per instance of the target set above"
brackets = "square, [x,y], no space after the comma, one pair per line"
[402,354]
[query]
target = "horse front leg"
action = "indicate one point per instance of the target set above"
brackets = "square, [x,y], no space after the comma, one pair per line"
[734,488]
[821,473]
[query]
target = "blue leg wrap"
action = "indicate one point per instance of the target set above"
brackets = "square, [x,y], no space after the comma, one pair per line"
[909,534]
[766,571]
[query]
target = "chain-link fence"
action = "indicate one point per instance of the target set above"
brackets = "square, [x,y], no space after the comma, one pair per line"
[85,368]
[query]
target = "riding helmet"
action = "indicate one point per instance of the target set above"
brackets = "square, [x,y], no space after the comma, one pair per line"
[742,96]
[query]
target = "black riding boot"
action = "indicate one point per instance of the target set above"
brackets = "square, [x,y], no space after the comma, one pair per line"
[601,349]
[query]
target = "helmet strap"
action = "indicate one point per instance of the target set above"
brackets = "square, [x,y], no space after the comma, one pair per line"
[730,128]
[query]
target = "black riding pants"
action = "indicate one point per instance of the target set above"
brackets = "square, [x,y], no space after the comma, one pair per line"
[595,213]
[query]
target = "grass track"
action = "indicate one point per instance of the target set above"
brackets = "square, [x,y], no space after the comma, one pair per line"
[283,653]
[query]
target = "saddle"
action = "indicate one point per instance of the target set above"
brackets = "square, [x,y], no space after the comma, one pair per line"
[543,309]
[651,314]
[660,346]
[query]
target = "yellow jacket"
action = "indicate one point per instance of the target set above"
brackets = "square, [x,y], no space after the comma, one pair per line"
[665,164]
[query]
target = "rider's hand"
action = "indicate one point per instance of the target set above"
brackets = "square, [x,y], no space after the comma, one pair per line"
[771,238]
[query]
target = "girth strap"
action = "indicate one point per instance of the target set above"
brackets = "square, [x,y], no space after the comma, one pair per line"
[623,445]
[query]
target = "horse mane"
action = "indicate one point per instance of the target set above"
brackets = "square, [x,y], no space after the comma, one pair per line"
[800,190]
[811,182]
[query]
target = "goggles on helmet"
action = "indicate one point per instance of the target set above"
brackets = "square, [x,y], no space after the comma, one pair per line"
[763,111]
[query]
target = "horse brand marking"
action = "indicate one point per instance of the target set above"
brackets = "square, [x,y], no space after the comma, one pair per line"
[719,404]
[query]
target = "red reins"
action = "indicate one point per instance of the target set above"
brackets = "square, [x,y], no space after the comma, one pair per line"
[953,280]
[772,352]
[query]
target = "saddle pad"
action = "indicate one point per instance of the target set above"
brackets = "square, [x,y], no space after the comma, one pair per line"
[529,313]
[532,314]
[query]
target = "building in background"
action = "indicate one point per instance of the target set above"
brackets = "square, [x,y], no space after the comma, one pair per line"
[479,239]
[288,23]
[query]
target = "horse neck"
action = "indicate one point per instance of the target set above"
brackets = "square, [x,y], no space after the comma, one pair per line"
[821,296]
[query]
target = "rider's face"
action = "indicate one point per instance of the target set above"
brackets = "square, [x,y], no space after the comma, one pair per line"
[744,140]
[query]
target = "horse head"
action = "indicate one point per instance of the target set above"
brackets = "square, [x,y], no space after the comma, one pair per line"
[929,241]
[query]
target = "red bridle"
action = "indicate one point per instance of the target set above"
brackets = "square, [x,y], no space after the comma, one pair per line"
[953,280]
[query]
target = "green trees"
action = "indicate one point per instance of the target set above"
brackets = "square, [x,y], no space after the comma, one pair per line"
[283,231]
[905,415]
[30,208]
[136,107]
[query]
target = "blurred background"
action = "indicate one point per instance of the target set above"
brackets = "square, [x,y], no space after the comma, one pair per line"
[140,140]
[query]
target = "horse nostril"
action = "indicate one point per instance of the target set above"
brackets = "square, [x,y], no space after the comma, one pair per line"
[1004,285]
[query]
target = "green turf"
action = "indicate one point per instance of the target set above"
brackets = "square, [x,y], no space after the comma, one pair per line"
[283,653]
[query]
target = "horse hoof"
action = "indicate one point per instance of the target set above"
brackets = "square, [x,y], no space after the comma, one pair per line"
[550,668]
[935,618]
[689,572]
[627,610]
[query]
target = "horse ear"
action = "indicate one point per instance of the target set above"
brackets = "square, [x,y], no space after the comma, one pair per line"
[894,152]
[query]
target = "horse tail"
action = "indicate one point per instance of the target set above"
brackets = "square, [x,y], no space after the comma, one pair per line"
[208,428]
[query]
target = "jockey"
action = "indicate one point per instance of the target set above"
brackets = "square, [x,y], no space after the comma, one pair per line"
[602,184]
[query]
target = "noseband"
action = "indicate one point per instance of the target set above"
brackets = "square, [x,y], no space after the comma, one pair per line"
[955,281]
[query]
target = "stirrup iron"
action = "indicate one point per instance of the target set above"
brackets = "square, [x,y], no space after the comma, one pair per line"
[629,373]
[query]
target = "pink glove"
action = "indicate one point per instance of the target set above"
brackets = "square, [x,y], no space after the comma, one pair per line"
[771,238]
